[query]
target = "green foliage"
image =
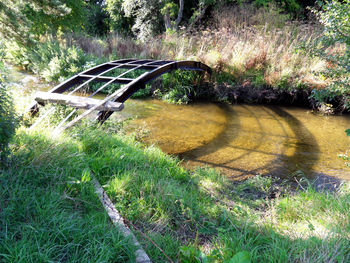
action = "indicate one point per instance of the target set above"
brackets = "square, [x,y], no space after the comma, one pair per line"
[97,19]
[294,7]
[55,62]
[143,93]
[334,47]
[346,156]
[191,254]
[147,17]
[119,22]
[289,5]
[240,257]
[178,87]
[347,132]
[50,60]
[25,21]
[7,115]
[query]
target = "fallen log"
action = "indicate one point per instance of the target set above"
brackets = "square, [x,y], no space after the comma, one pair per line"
[77,102]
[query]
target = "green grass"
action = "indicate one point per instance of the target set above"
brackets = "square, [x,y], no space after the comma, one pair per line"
[47,213]
[51,213]
[202,211]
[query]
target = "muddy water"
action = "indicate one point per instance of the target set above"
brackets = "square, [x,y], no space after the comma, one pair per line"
[245,140]
[239,140]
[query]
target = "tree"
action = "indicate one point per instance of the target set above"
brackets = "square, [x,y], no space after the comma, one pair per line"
[119,22]
[146,15]
[169,11]
[150,17]
[97,18]
[26,21]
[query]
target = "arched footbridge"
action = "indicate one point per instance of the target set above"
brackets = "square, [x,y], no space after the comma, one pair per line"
[120,72]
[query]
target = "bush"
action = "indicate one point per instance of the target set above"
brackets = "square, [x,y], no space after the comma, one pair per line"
[178,87]
[54,62]
[50,60]
[7,116]
[334,47]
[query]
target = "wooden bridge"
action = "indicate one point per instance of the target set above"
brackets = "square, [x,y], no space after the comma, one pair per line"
[113,102]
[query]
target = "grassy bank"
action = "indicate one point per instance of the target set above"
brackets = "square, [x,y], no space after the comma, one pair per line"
[255,54]
[50,212]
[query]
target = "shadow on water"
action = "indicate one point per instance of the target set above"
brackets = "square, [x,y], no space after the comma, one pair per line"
[306,149]
[299,152]
[221,140]
[306,154]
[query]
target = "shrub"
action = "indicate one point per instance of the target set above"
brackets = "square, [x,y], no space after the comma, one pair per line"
[334,47]
[51,60]
[178,87]
[7,116]
[54,62]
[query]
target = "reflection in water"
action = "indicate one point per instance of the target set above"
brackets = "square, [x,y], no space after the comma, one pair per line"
[245,140]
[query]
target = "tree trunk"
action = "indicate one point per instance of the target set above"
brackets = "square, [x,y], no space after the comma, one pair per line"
[179,15]
[167,21]
[171,25]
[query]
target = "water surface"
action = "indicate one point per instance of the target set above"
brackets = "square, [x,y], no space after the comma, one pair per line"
[246,140]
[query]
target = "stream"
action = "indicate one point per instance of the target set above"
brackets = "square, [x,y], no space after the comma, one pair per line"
[239,140]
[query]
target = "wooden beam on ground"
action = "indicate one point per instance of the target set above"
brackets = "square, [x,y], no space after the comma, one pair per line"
[117,220]
[77,102]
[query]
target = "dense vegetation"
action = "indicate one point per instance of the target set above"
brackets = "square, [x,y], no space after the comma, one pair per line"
[261,51]
[7,115]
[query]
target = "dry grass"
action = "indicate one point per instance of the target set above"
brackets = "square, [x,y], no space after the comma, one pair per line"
[240,40]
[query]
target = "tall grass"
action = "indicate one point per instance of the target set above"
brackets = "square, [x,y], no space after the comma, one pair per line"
[254,45]
[255,54]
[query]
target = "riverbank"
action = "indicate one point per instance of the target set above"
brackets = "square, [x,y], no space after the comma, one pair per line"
[191,215]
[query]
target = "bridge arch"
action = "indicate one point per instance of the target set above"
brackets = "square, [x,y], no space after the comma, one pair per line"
[153,68]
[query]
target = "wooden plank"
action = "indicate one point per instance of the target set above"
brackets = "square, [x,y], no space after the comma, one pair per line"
[117,220]
[77,102]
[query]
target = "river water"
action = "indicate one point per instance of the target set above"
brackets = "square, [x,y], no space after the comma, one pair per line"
[245,140]
[240,140]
